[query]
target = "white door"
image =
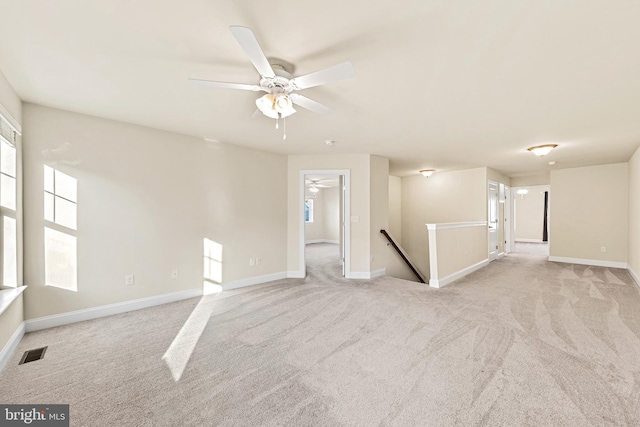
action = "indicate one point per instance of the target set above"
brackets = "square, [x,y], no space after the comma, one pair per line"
[507,220]
[342,239]
[493,220]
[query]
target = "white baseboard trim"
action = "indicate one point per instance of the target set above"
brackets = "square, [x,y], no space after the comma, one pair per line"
[366,275]
[634,275]
[530,241]
[295,275]
[378,273]
[309,242]
[594,262]
[438,283]
[108,310]
[11,345]
[254,281]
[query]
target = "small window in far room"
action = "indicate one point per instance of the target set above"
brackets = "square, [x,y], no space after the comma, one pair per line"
[308,210]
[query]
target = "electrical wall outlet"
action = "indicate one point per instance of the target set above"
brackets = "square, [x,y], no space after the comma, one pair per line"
[129,279]
[258,261]
[252,262]
[603,249]
[174,273]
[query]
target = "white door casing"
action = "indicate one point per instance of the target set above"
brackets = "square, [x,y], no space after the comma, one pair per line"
[345,244]
[492,222]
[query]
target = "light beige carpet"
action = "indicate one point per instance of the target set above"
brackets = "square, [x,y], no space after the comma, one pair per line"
[538,249]
[521,342]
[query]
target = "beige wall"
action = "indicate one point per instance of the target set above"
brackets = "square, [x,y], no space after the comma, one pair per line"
[494,175]
[146,201]
[526,181]
[529,214]
[395,207]
[13,317]
[589,209]
[459,248]
[359,165]
[395,266]
[634,213]
[11,320]
[326,216]
[379,176]
[458,196]
[9,99]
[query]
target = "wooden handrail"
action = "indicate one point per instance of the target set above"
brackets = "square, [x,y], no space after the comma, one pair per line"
[404,257]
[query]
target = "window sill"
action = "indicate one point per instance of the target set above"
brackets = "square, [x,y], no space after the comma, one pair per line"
[7,296]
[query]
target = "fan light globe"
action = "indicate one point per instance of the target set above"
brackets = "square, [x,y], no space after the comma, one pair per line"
[275,106]
[283,103]
[313,188]
[272,114]
[265,103]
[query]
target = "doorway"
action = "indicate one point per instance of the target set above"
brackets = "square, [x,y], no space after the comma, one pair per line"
[324,232]
[530,218]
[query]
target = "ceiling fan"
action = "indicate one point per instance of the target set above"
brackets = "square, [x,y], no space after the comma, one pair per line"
[280,86]
[316,184]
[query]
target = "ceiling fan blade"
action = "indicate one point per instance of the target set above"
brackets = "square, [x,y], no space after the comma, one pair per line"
[226,85]
[310,104]
[251,47]
[256,113]
[331,74]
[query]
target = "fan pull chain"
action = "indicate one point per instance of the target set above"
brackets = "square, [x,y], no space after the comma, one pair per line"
[277,121]
[284,130]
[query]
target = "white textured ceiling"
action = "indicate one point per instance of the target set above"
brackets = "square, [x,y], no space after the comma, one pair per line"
[439,84]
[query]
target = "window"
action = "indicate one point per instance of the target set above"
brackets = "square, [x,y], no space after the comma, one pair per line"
[308,210]
[8,199]
[60,243]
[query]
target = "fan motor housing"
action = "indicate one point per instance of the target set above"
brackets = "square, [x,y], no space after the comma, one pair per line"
[281,83]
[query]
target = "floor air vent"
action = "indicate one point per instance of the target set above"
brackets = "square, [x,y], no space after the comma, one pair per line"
[33,355]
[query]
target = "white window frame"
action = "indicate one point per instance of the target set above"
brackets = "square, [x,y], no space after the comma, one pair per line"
[310,200]
[9,213]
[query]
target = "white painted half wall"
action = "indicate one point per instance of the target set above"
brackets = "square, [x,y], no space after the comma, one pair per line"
[458,196]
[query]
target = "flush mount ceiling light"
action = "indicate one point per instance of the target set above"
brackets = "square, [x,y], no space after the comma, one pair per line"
[427,172]
[521,192]
[542,150]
